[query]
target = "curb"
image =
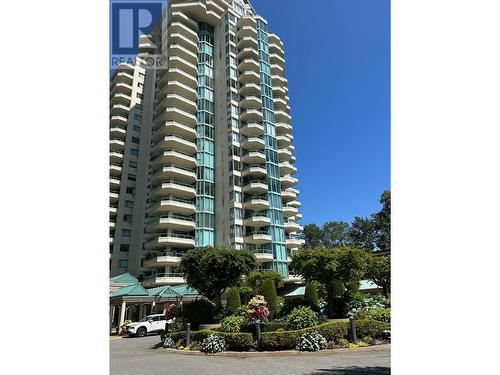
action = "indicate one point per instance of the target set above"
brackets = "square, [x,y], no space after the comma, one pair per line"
[279,353]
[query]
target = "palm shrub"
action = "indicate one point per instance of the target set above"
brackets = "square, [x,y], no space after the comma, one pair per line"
[269,293]
[232,323]
[233,300]
[311,342]
[213,344]
[302,317]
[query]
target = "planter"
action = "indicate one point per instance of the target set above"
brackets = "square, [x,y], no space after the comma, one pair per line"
[209,326]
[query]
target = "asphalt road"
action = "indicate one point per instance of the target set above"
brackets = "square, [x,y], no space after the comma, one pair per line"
[135,356]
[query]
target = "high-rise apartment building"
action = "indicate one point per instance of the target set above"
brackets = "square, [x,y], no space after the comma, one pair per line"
[220,164]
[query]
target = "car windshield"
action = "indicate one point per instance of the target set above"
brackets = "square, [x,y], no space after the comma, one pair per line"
[146,319]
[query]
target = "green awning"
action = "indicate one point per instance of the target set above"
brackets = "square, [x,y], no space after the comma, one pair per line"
[130,290]
[124,278]
[164,291]
[186,291]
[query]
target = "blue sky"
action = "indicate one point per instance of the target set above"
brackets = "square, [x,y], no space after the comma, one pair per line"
[338,71]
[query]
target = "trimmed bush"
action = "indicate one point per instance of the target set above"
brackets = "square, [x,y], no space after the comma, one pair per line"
[269,293]
[372,328]
[302,317]
[273,326]
[311,342]
[246,294]
[380,314]
[311,295]
[199,311]
[213,344]
[235,341]
[233,300]
[179,324]
[232,324]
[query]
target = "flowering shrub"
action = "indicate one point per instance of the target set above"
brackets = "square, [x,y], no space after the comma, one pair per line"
[257,309]
[213,344]
[168,343]
[302,317]
[311,342]
[171,311]
[232,324]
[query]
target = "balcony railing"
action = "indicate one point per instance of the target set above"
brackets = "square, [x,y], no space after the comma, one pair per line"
[168,274]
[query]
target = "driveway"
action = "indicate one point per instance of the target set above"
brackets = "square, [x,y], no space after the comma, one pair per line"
[135,356]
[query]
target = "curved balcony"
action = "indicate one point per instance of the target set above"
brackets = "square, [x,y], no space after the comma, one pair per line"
[253,143]
[287,168]
[249,64]
[288,195]
[257,171]
[188,54]
[276,49]
[174,222]
[115,169]
[256,203]
[247,42]
[115,156]
[252,129]
[295,203]
[178,87]
[177,101]
[180,39]
[277,70]
[280,104]
[121,88]
[163,258]
[288,181]
[258,238]
[174,127]
[118,132]
[284,154]
[172,156]
[123,99]
[292,242]
[178,115]
[292,226]
[249,89]
[183,241]
[119,110]
[179,206]
[289,211]
[248,53]
[246,21]
[174,142]
[114,196]
[279,80]
[114,183]
[118,120]
[247,31]
[276,59]
[176,188]
[179,27]
[251,115]
[263,255]
[117,144]
[254,157]
[178,74]
[282,116]
[255,187]
[298,216]
[273,38]
[282,128]
[123,76]
[160,279]
[113,209]
[283,141]
[279,92]
[251,101]
[174,172]
[257,221]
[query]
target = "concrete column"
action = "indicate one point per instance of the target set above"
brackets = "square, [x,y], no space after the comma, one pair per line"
[153,306]
[122,315]
[111,316]
[141,311]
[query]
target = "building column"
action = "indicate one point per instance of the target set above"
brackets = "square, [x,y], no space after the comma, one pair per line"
[111,316]
[122,315]
[153,307]
[141,311]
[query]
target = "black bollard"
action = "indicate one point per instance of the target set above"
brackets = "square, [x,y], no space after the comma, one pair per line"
[188,334]
[353,330]
[259,335]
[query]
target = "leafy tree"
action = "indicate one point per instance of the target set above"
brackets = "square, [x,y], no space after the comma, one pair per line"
[379,272]
[382,222]
[313,235]
[362,233]
[198,312]
[335,234]
[246,294]
[311,294]
[339,269]
[233,300]
[269,293]
[255,279]
[210,270]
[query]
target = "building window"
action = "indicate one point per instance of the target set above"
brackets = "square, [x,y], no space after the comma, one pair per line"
[127,219]
[136,128]
[129,204]
[132,164]
[122,263]
[124,247]
[135,140]
[125,232]
[131,177]
[134,151]
[130,190]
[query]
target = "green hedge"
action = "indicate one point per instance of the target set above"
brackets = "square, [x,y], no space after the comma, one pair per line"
[332,331]
[235,341]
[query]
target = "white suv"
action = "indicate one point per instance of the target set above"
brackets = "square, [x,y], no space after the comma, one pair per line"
[151,323]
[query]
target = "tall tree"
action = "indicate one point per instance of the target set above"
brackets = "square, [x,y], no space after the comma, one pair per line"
[335,234]
[313,235]
[210,270]
[362,233]
[379,272]
[338,269]
[382,222]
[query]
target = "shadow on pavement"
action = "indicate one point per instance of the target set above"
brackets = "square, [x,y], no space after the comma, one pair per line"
[354,371]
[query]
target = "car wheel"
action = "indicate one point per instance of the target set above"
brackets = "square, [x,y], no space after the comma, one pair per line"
[141,332]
